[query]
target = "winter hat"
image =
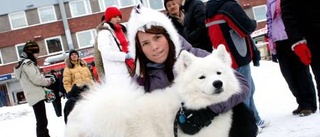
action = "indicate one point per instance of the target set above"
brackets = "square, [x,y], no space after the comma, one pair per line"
[111,12]
[73,51]
[142,18]
[31,47]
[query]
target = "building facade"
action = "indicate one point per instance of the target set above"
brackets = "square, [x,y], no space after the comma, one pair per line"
[60,25]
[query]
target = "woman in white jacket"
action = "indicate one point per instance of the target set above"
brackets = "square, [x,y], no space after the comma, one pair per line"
[113,45]
[32,83]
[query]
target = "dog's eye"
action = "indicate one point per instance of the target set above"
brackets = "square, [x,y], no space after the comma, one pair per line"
[218,72]
[202,77]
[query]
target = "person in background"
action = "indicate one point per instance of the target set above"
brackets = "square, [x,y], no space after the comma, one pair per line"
[113,46]
[188,16]
[175,13]
[95,72]
[228,24]
[55,88]
[61,88]
[155,44]
[303,31]
[32,83]
[76,75]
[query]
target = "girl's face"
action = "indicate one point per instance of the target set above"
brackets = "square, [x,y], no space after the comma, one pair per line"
[173,7]
[115,20]
[154,46]
[36,55]
[74,56]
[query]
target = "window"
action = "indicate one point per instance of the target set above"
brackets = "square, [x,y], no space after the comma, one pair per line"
[86,38]
[19,49]
[156,4]
[120,3]
[18,20]
[260,13]
[106,3]
[54,45]
[79,8]
[47,14]
[126,3]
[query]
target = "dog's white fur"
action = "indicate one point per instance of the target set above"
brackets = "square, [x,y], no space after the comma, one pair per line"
[128,112]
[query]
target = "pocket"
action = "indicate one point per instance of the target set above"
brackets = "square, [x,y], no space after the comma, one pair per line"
[239,43]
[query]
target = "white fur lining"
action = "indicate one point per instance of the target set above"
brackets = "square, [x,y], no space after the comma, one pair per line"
[297,43]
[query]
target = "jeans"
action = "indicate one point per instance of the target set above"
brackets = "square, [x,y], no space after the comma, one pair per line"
[246,71]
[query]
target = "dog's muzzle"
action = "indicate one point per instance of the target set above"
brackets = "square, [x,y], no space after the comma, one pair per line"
[218,86]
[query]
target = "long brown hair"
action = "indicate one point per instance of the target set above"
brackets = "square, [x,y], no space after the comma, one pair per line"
[143,60]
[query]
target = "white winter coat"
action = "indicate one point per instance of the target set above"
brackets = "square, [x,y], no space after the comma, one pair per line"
[113,59]
[32,81]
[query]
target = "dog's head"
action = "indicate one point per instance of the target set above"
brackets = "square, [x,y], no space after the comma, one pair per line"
[205,81]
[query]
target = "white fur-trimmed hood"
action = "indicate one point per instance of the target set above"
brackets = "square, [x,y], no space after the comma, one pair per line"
[142,18]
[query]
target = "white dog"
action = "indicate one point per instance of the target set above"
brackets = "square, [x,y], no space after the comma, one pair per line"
[129,112]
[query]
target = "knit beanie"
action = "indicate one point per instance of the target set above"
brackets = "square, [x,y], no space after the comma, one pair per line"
[73,51]
[111,12]
[31,47]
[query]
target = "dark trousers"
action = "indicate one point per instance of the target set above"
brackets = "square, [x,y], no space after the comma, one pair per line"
[57,104]
[41,119]
[297,76]
[315,62]
[68,107]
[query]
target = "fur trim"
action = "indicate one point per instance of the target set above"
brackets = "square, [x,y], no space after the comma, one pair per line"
[142,18]
[297,43]
[69,64]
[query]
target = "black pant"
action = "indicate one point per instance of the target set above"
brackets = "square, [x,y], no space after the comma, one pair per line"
[41,118]
[297,76]
[315,62]
[57,104]
[68,107]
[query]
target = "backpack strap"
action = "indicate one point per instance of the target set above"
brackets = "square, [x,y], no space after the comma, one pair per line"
[208,24]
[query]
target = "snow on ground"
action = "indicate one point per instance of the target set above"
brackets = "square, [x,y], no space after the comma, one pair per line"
[273,99]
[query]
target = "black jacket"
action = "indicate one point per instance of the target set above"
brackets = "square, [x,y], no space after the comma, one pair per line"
[194,29]
[176,24]
[301,20]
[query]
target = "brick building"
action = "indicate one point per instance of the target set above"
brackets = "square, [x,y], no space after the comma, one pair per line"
[60,25]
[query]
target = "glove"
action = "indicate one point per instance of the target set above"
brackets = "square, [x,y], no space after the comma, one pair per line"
[49,95]
[52,80]
[128,56]
[191,121]
[130,66]
[302,51]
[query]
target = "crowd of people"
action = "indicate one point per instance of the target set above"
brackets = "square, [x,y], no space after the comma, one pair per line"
[146,53]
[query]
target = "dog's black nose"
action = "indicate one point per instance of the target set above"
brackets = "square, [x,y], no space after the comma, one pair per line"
[217,84]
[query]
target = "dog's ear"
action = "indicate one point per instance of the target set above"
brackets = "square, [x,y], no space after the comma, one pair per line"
[223,54]
[184,60]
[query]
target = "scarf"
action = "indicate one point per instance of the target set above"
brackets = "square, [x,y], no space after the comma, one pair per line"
[121,37]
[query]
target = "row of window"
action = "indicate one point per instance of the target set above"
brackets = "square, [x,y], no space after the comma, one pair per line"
[54,45]
[77,8]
